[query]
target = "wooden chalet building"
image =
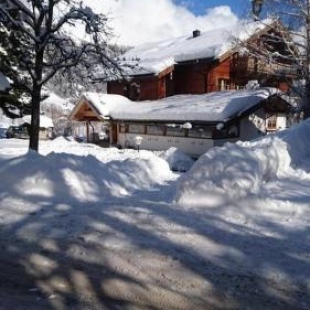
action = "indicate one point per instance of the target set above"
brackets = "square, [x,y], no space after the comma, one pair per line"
[197,64]
[192,93]
[192,123]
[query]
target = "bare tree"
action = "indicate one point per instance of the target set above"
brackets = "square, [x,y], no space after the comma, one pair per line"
[47,45]
[292,37]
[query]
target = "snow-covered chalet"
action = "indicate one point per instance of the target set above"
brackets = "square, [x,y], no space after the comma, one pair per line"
[199,63]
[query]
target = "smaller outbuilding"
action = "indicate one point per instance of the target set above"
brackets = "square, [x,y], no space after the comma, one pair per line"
[92,112]
[191,123]
[20,128]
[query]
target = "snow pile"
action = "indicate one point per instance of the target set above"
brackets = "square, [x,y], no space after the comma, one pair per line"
[79,177]
[240,169]
[177,160]
[297,139]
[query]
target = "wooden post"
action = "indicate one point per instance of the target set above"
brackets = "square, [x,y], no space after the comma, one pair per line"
[87,131]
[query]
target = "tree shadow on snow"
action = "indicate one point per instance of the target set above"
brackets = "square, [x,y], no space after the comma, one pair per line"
[79,248]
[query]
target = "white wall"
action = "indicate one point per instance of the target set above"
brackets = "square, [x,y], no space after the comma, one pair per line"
[191,146]
[281,121]
[251,127]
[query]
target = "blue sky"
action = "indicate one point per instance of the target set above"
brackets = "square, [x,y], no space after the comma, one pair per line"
[198,7]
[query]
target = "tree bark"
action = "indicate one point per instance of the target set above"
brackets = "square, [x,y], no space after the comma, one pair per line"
[35,120]
[36,98]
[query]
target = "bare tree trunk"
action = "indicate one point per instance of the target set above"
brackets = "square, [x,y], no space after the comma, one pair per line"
[35,120]
[36,100]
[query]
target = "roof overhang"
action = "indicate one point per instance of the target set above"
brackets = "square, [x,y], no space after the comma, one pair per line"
[93,114]
[197,61]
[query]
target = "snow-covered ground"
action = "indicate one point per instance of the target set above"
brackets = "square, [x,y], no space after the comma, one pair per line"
[84,227]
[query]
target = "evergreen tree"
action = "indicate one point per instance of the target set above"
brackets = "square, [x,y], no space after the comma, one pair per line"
[12,67]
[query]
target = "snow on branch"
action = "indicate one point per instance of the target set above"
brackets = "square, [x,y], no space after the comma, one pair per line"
[45,28]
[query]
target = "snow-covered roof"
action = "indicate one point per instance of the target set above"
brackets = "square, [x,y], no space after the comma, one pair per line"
[100,103]
[211,107]
[152,58]
[216,106]
[4,83]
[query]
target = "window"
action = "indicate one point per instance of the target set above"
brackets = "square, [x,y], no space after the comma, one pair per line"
[136,128]
[200,132]
[230,131]
[122,127]
[223,84]
[132,91]
[233,131]
[272,122]
[175,132]
[155,130]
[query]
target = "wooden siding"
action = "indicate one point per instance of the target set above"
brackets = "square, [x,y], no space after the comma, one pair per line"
[200,78]
[115,87]
[219,72]
[203,76]
[150,88]
[85,113]
[190,79]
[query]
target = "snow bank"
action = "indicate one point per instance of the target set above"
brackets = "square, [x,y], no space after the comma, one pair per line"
[240,169]
[298,143]
[76,175]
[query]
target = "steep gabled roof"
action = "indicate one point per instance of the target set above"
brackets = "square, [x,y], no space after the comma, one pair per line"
[97,104]
[153,58]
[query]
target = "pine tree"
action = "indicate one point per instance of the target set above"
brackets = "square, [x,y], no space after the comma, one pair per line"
[12,67]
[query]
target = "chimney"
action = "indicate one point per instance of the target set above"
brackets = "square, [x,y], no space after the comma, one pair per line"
[196,33]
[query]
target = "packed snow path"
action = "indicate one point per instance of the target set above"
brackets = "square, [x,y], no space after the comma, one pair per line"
[68,243]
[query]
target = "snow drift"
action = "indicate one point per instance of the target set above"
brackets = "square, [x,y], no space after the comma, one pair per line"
[240,169]
[64,176]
